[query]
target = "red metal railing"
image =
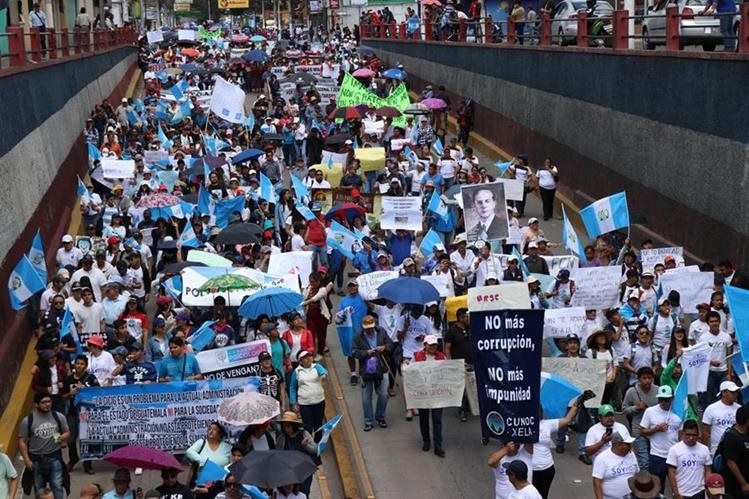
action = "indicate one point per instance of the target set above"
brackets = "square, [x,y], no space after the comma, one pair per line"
[612,31]
[33,46]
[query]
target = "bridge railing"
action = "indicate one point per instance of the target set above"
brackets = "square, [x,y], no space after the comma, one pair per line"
[618,31]
[35,46]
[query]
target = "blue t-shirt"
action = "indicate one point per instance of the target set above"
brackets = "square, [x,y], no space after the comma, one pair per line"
[139,372]
[173,368]
[436,178]
[400,247]
[723,5]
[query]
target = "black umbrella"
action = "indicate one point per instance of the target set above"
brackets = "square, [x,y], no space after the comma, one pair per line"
[269,469]
[176,268]
[337,139]
[240,233]
[272,136]
[305,77]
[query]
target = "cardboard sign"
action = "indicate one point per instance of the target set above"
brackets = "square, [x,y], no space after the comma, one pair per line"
[596,287]
[401,213]
[118,168]
[434,384]
[586,374]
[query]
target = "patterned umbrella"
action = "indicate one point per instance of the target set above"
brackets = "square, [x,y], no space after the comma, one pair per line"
[226,282]
[158,200]
[434,103]
[248,408]
[387,112]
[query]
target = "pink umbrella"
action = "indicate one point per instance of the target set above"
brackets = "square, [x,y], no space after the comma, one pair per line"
[158,200]
[434,103]
[135,456]
[363,73]
[240,38]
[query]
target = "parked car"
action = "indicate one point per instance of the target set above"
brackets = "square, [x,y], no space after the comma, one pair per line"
[694,29]
[564,21]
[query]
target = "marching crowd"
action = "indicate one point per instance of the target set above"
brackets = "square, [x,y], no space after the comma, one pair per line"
[116,291]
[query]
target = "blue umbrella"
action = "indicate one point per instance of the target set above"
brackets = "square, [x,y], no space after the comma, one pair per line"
[394,73]
[411,290]
[189,67]
[255,56]
[247,155]
[271,302]
[257,38]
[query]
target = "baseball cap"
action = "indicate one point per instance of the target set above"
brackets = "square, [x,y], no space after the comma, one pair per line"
[136,345]
[572,337]
[605,410]
[439,247]
[430,339]
[730,386]
[533,244]
[635,295]
[648,273]
[120,350]
[302,354]
[532,220]
[268,328]
[264,356]
[665,392]
[96,340]
[715,484]
[663,301]
[512,258]
[408,261]
[159,322]
[517,468]
[352,282]
[563,274]
[617,438]
[121,475]
[67,238]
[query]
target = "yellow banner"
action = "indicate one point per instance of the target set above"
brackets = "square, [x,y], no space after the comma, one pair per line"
[233,4]
[372,158]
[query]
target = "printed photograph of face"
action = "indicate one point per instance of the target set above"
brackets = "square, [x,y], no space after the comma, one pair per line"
[485,212]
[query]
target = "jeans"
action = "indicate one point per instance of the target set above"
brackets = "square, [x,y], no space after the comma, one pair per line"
[299,149]
[48,470]
[641,448]
[658,468]
[289,154]
[714,378]
[726,31]
[436,415]
[319,252]
[562,433]
[380,389]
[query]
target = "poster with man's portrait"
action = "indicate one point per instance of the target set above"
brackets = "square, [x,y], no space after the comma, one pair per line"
[485,212]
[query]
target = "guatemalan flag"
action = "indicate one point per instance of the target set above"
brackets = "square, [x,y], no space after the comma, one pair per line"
[327,428]
[437,147]
[304,211]
[341,238]
[267,191]
[428,242]
[556,393]
[437,206]
[503,166]
[345,330]
[300,189]
[569,237]
[681,397]
[606,215]
[188,239]
[203,337]
[165,142]
[93,152]
[36,256]
[67,327]
[738,300]
[81,190]
[23,283]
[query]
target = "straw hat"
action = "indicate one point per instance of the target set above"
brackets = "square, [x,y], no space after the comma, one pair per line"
[290,417]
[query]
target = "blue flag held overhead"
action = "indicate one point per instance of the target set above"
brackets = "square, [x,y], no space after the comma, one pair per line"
[428,242]
[211,472]
[304,211]
[300,189]
[681,400]
[267,191]
[188,239]
[521,262]
[569,237]
[203,337]
[556,394]
[23,282]
[437,147]
[503,166]
[606,215]
[36,256]
[205,202]
[341,238]
[225,208]
[81,190]
[437,205]
[67,328]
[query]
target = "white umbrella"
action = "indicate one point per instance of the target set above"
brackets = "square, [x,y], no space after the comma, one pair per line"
[248,408]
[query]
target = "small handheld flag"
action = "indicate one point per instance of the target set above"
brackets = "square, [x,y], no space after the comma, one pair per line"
[36,256]
[327,428]
[23,282]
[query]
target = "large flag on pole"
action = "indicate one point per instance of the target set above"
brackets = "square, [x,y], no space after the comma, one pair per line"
[23,282]
[227,101]
[569,237]
[36,256]
[267,191]
[738,300]
[606,215]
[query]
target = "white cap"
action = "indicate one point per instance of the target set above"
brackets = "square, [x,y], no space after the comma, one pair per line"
[348,142]
[512,258]
[664,300]
[532,220]
[430,339]
[533,244]
[67,238]
[439,246]
[730,386]
[634,294]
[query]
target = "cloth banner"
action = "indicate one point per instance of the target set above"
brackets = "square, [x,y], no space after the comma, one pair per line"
[559,322]
[235,361]
[696,361]
[118,168]
[227,101]
[353,93]
[434,384]
[693,287]
[401,213]
[195,277]
[507,361]
[292,265]
[511,295]
[596,287]
[368,283]
[586,374]
[163,416]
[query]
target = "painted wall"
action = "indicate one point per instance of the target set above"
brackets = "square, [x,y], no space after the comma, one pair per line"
[41,152]
[644,122]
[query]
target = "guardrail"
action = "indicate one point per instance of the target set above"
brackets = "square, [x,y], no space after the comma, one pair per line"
[34,46]
[615,31]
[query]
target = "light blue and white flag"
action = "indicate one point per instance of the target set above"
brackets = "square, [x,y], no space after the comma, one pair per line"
[556,393]
[569,237]
[249,123]
[205,202]
[188,239]
[300,189]
[227,101]
[168,178]
[738,301]
[342,239]
[36,256]
[606,215]
[203,337]
[304,211]
[327,428]
[67,327]
[521,262]
[437,147]
[225,208]
[428,242]
[503,166]
[81,190]
[211,472]
[23,283]
[132,117]
[681,397]
[173,286]
[437,206]
[267,191]
[93,152]
[178,89]
[345,329]
[165,142]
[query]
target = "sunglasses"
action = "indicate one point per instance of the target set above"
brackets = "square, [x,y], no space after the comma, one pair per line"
[231,485]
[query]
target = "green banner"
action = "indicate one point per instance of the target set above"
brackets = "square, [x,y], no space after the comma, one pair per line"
[353,93]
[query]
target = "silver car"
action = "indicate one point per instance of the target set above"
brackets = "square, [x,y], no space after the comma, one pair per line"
[694,29]
[564,20]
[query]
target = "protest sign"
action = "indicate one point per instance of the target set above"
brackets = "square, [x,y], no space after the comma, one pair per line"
[372,158]
[368,283]
[554,262]
[186,34]
[151,157]
[333,158]
[433,385]
[650,257]
[235,361]
[155,36]
[586,374]
[193,278]
[117,168]
[453,304]
[694,287]
[442,283]
[343,195]
[559,322]
[596,287]
[163,416]
[507,361]
[294,264]
[353,93]
[401,213]
[513,188]
[509,295]
[227,101]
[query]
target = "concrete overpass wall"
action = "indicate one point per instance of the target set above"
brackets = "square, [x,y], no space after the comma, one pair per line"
[43,112]
[672,131]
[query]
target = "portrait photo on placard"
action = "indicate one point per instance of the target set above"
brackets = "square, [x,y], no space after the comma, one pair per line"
[485,212]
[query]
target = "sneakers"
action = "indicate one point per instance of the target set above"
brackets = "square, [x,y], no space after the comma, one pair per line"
[425,446]
[463,416]
[354,380]
[368,427]
[585,459]
[439,452]
[382,423]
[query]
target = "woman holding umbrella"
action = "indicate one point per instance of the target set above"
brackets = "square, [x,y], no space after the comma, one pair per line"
[307,396]
[294,437]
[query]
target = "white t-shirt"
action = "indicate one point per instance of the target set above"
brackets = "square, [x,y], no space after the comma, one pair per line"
[71,257]
[719,343]
[503,489]
[613,471]
[418,327]
[447,168]
[95,276]
[101,367]
[596,432]
[542,458]
[388,319]
[89,317]
[661,441]
[527,492]
[662,328]
[546,178]
[297,242]
[697,329]
[417,177]
[720,417]
[690,465]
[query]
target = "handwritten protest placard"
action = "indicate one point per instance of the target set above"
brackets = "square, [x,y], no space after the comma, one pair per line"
[694,287]
[513,188]
[118,168]
[293,263]
[509,295]
[155,36]
[442,283]
[432,385]
[368,283]
[559,322]
[596,287]
[401,213]
[652,256]
[586,374]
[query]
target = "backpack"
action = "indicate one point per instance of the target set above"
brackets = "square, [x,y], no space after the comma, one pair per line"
[719,462]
